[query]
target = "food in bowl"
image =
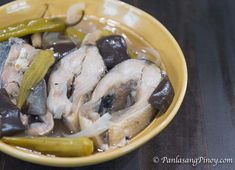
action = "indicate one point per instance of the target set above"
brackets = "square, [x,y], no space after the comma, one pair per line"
[76,86]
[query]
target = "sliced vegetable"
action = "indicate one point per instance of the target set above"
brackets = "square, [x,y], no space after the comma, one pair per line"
[113,50]
[59,43]
[106,33]
[64,147]
[34,74]
[131,53]
[32,26]
[36,40]
[76,35]
[162,96]
[91,38]
[10,122]
[98,127]
[62,49]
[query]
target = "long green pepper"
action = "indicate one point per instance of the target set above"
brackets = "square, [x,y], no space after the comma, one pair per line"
[37,70]
[64,147]
[32,26]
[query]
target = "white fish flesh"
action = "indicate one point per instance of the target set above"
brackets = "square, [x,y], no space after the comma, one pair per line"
[71,83]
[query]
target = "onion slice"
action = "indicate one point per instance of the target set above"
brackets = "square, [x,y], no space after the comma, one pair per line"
[98,127]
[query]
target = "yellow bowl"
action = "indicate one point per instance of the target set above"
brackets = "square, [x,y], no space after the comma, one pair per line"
[144,25]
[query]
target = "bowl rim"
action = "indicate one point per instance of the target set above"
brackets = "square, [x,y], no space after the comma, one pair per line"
[96,159]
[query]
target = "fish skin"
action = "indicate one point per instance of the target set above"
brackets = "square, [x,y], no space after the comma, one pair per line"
[10,122]
[10,76]
[4,50]
[37,100]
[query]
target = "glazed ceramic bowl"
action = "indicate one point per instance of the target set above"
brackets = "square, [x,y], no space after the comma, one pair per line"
[142,24]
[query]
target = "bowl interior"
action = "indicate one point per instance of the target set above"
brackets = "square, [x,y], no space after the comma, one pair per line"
[145,26]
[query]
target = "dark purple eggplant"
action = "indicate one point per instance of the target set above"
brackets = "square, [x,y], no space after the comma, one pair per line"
[162,96]
[113,49]
[60,44]
[10,122]
[61,49]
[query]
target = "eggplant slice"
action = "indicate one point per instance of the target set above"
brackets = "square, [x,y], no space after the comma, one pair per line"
[163,95]
[60,44]
[113,49]
[10,121]
[123,93]
[71,83]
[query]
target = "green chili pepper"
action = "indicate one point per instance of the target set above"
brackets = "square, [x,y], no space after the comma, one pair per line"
[64,147]
[106,33]
[75,34]
[131,53]
[32,26]
[43,60]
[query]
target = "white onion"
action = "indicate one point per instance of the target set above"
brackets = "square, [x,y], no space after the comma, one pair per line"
[98,127]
